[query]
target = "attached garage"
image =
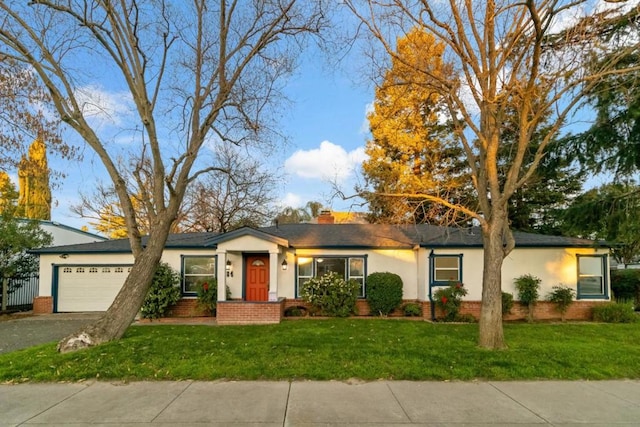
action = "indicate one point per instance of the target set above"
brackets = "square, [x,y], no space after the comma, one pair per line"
[87,287]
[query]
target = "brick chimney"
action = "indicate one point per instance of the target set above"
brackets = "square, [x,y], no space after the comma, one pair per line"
[325,217]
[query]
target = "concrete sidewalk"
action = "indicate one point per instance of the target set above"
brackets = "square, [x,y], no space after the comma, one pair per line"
[313,403]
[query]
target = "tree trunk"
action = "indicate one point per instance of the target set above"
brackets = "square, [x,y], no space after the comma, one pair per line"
[530,309]
[491,332]
[115,321]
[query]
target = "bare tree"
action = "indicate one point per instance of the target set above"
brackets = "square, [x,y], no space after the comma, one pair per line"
[195,71]
[25,116]
[507,56]
[244,195]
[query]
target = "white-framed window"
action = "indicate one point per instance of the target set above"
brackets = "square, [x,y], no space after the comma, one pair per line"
[119,270]
[80,270]
[349,267]
[67,270]
[93,269]
[197,269]
[592,279]
[106,270]
[446,269]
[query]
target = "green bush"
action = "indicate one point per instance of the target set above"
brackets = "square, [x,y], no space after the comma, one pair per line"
[562,296]
[615,312]
[507,303]
[384,292]
[449,300]
[295,311]
[528,292]
[164,292]
[412,309]
[625,285]
[208,295]
[331,295]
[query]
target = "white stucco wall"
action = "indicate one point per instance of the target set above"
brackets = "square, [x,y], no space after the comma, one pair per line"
[554,266]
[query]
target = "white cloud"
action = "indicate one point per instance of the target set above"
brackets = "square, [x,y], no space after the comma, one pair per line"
[329,162]
[291,199]
[364,128]
[106,107]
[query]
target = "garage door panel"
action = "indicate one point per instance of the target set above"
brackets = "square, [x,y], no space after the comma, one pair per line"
[89,288]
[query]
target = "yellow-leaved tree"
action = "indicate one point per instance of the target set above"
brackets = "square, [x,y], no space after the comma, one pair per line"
[413,149]
[34,201]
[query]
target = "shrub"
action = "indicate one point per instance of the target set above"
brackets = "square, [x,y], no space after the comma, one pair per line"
[449,300]
[527,287]
[507,303]
[625,285]
[562,296]
[208,295]
[331,295]
[164,292]
[384,292]
[615,312]
[412,309]
[295,311]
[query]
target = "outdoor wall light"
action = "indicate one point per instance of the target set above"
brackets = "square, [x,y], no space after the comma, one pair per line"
[64,256]
[284,265]
[229,268]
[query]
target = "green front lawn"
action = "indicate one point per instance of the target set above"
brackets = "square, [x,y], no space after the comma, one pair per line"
[341,349]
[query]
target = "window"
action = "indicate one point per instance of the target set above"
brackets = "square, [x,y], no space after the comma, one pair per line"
[592,283]
[446,268]
[196,270]
[106,270]
[93,269]
[119,270]
[350,268]
[79,270]
[67,270]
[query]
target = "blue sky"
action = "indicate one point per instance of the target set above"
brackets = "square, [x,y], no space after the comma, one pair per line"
[325,123]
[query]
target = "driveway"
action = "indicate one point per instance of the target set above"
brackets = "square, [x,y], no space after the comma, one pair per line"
[23,332]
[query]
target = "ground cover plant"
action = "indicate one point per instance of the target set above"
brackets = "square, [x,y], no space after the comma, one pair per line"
[340,349]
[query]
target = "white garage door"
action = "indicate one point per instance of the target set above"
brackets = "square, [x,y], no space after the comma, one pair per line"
[89,288]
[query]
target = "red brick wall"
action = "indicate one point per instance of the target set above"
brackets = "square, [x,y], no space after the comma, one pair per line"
[249,313]
[186,307]
[544,310]
[43,305]
[579,310]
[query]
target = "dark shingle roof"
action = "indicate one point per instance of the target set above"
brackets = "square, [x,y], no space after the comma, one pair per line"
[177,241]
[325,236]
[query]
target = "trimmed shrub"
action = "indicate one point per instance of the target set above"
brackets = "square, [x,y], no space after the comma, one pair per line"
[164,292]
[449,300]
[331,295]
[615,312]
[208,296]
[384,292]
[528,292]
[625,285]
[562,296]
[507,303]
[412,309]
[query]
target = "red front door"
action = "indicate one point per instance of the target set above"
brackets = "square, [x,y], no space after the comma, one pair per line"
[257,278]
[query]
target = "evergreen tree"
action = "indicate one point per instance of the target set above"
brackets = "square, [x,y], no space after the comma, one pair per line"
[17,237]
